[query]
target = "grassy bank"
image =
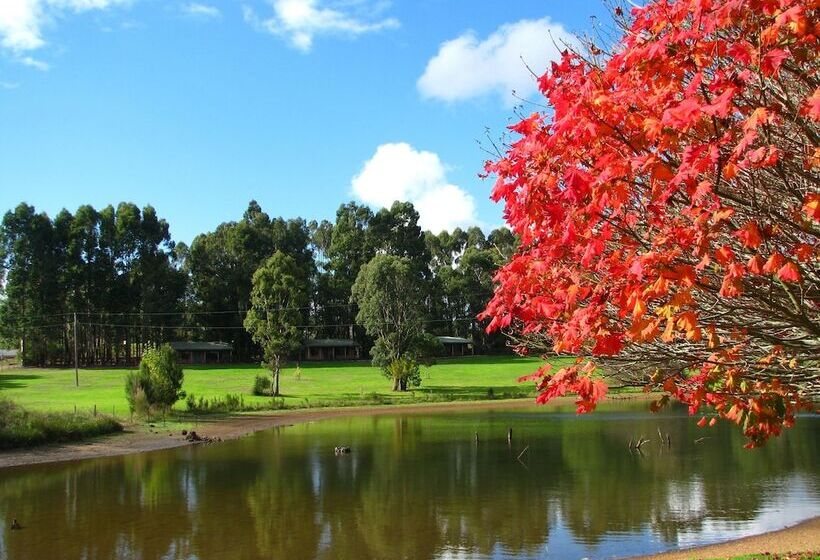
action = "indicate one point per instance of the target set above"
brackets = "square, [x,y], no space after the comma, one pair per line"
[22,428]
[314,385]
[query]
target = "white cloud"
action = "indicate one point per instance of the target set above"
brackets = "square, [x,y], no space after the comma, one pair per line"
[34,63]
[22,21]
[203,11]
[400,172]
[9,85]
[467,67]
[302,20]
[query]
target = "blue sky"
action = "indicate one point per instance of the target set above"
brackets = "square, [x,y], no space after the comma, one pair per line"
[198,107]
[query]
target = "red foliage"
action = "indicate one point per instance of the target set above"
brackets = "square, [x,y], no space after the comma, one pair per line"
[676,177]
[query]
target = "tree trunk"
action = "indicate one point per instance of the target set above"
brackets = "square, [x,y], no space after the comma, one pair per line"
[276,368]
[395,383]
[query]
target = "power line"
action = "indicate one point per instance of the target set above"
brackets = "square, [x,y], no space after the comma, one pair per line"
[92,314]
[236,327]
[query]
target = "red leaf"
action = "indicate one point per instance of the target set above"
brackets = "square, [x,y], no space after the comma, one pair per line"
[772,60]
[608,345]
[789,272]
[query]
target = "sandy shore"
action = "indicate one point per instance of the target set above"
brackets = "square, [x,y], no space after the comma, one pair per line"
[802,537]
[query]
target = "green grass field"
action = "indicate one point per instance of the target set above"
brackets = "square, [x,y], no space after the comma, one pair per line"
[319,384]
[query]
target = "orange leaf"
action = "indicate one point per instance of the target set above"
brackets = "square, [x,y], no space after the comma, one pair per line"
[639,309]
[755,265]
[811,206]
[789,272]
[773,263]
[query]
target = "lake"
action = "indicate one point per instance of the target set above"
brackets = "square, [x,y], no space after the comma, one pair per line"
[420,487]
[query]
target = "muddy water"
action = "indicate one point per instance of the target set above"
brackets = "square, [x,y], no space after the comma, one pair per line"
[420,487]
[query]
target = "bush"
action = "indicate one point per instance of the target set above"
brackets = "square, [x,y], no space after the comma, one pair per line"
[262,386]
[165,375]
[141,406]
[136,389]
[404,371]
[157,383]
[21,428]
[229,403]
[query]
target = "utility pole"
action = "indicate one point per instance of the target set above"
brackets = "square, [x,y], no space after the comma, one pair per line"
[76,364]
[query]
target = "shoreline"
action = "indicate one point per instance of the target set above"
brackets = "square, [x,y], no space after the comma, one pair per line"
[233,426]
[225,427]
[802,537]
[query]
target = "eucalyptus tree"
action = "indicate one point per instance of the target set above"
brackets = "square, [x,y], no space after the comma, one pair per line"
[389,292]
[278,295]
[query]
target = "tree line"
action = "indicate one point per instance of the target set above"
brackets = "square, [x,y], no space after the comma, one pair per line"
[116,278]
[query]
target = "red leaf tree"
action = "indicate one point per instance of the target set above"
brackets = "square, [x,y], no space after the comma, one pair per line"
[669,214]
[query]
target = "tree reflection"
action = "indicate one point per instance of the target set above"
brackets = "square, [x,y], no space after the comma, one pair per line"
[414,487]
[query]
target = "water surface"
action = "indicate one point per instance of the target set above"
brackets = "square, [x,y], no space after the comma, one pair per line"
[420,487]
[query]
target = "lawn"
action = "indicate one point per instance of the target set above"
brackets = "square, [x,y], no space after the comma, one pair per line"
[317,384]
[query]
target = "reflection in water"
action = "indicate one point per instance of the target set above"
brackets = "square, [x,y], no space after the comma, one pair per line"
[419,487]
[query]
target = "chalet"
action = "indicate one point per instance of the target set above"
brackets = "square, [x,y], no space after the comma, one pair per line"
[456,346]
[203,352]
[322,349]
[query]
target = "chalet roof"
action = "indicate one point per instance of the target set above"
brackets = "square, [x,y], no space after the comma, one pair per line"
[453,340]
[8,354]
[186,346]
[330,343]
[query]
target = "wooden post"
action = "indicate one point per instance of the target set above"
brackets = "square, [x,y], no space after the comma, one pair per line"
[76,363]
[509,436]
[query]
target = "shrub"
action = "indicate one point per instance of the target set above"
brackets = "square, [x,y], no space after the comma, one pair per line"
[405,372]
[165,375]
[229,403]
[137,385]
[157,383]
[262,385]
[141,405]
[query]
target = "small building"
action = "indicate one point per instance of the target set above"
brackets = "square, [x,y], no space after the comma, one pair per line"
[456,346]
[323,349]
[203,352]
[8,354]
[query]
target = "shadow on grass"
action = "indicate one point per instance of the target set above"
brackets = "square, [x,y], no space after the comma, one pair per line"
[488,360]
[364,364]
[288,367]
[13,380]
[477,392]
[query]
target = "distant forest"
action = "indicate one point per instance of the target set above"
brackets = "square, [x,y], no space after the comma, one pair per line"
[131,286]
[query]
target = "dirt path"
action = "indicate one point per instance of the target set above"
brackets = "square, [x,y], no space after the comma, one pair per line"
[803,537]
